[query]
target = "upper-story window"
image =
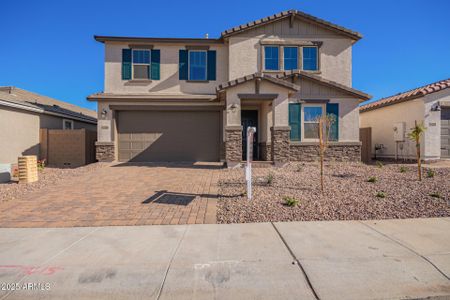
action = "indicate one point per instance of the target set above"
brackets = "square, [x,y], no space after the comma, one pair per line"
[197,65]
[271,58]
[141,64]
[290,58]
[310,59]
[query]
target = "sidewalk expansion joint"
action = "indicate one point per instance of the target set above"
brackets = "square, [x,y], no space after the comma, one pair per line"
[170,264]
[308,281]
[406,247]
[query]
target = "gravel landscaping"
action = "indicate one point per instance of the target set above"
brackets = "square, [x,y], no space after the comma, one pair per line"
[47,177]
[348,193]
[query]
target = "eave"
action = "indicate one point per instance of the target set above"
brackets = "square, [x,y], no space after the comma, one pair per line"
[195,41]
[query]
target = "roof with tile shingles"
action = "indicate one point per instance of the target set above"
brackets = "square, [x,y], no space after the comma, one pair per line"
[250,77]
[286,14]
[408,95]
[363,96]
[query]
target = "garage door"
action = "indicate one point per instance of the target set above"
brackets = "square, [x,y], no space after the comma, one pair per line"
[445,132]
[168,136]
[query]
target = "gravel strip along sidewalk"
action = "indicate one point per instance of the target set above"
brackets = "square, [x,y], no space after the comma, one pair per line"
[47,177]
[348,195]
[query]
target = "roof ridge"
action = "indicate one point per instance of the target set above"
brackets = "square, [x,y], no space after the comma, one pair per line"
[7,88]
[56,100]
[410,90]
[30,97]
[407,95]
[287,13]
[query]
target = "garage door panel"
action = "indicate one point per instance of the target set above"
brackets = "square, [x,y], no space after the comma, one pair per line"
[169,136]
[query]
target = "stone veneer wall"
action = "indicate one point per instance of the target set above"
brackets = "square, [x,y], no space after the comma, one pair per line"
[233,144]
[265,152]
[280,145]
[105,151]
[347,152]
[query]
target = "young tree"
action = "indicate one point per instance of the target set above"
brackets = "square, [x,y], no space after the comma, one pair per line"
[325,122]
[415,134]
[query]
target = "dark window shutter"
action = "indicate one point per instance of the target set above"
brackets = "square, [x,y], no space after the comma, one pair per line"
[155,66]
[183,65]
[333,110]
[126,64]
[211,65]
[295,113]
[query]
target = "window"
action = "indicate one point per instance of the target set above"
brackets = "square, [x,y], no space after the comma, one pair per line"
[141,64]
[290,58]
[271,60]
[197,65]
[311,114]
[67,124]
[310,59]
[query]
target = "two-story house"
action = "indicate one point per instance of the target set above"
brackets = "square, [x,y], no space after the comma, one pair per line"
[191,99]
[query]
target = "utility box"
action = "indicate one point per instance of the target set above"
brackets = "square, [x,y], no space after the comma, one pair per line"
[5,172]
[399,131]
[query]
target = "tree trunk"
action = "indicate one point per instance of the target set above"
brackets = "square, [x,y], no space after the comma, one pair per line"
[321,169]
[419,161]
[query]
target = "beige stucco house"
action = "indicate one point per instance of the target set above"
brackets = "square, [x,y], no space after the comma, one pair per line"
[23,113]
[192,99]
[391,118]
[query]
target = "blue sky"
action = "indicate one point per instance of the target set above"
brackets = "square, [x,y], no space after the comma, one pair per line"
[48,47]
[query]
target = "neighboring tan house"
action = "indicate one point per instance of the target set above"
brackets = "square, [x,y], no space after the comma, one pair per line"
[23,113]
[392,118]
[192,99]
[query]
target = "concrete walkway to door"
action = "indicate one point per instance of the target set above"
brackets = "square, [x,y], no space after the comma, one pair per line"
[122,194]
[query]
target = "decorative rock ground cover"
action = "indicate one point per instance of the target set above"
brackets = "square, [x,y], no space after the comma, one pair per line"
[348,195]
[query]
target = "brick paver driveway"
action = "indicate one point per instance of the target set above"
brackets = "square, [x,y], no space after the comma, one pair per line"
[121,194]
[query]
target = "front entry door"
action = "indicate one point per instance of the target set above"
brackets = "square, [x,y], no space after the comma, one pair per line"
[249,118]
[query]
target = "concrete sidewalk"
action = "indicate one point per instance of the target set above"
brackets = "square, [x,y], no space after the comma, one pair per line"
[391,259]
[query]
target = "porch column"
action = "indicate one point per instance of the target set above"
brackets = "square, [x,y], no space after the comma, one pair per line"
[233,131]
[280,131]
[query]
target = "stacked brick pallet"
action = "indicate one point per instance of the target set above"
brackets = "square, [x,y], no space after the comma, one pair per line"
[28,169]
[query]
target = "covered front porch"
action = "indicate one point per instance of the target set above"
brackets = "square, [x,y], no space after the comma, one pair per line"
[257,101]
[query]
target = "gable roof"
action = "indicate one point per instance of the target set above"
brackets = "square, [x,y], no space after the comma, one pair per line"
[348,90]
[294,14]
[241,80]
[408,95]
[24,98]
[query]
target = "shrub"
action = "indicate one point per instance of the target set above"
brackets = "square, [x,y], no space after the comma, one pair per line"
[381,194]
[436,195]
[372,179]
[416,133]
[379,164]
[430,173]
[290,201]
[41,164]
[270,178]
[402,169]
